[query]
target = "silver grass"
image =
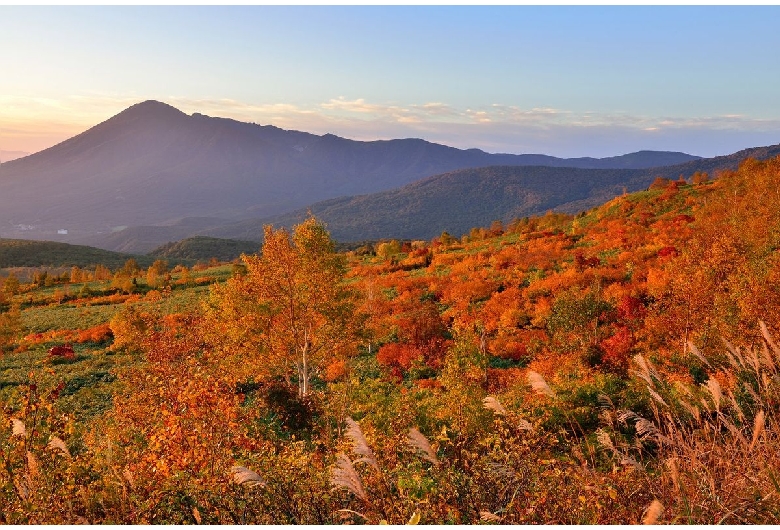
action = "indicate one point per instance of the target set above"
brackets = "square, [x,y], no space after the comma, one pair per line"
[768,338]
[656,397]
[17,428]
[502,471]
[735,357]
[58,444]
[524,425]
[626,460]
[343,475]
[246,477]
[733,430]
[605,402]
[492,403]
[717,395]
[623,416]
[697,353]
[605,440]
[749,389]
[419,442]
[539,385]
[758,428]
[766,358]
[737,408]
[359,444]
[489,517]
[32,466]
[647,429]
[653,512]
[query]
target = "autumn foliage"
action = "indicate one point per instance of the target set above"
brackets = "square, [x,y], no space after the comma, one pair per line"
[612,367]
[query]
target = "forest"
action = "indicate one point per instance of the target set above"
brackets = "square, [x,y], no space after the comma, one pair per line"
[618,366]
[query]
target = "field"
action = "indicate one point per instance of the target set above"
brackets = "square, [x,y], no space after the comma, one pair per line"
[614,367]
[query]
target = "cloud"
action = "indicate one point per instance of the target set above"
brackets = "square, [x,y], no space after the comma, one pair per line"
[31,124]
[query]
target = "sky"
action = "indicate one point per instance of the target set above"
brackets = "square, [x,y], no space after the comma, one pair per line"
[561,80]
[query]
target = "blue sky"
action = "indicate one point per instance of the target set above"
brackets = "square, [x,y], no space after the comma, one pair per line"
[566,81]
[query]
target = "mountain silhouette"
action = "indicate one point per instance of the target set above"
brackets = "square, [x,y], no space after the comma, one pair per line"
[152,164]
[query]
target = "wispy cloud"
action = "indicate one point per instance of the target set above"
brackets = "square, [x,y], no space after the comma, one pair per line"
[31,124]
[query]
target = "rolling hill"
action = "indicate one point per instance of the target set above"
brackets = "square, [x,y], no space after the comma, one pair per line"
[460,200]
[27,253]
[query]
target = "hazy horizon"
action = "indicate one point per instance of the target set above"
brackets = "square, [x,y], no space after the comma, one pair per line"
[559,80]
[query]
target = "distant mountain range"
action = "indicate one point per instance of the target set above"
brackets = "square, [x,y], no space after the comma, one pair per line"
[460,200]
[153,174]
[154,165]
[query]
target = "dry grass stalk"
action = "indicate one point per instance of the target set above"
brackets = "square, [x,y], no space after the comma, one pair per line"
[626,460]
[539,385]
[489,517]
[768,338]
[717,395]
[524,425]
[734,356]
[344,475]
[674,471]
[492,403]
[758,428]
[605,440]
[17,427]
[246,477]
[653,512]
[657,397]
[418,441]
[129,478]
[605,402]
[359,444]
[58,444]
[32,466]
[502,471]
[695,351]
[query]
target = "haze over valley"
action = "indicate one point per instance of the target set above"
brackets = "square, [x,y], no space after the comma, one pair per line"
[153,165]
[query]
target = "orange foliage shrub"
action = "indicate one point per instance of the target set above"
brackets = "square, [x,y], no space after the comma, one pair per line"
[96,334]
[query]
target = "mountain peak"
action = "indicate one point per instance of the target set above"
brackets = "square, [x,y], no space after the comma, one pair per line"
[151,108]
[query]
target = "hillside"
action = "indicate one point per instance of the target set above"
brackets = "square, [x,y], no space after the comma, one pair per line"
[152,164]
[27,253]
[605,365]
[202,248]
[457,201]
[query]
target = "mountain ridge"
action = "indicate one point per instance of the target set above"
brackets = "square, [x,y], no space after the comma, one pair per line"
[152,164]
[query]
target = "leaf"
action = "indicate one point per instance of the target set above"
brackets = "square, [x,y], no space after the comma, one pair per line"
[415,518]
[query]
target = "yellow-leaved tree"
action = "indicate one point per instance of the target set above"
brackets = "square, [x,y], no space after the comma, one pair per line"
[291,312]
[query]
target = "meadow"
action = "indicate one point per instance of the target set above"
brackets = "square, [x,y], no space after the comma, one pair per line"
[618,366]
